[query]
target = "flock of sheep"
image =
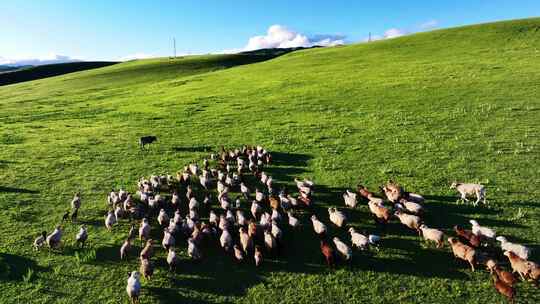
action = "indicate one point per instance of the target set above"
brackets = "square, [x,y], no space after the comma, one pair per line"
[173,204]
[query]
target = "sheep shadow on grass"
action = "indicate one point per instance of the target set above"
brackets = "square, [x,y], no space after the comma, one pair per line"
[15,267]
[17,190]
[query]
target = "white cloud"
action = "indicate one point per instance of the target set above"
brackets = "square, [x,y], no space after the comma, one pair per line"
[394,33]
[49,59]
[429,24]
[279,36]
[137,56]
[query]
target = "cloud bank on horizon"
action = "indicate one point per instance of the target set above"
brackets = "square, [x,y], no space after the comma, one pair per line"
[49,59]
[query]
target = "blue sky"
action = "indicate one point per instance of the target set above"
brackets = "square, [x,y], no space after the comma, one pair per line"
[111,30]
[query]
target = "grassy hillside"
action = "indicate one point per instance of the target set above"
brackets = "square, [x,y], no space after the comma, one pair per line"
[425,110]
[48,70]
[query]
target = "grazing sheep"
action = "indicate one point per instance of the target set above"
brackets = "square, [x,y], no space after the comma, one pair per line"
[463,251]
[40,240]
[432,234]
[328,253]
[365,193]
[534,272]
[148,251]
[124,250]
[259,195]
[506,276]
[318,226]
[226,240]
[65,217]
[520,250]
[503,288]
[411,207]
[82,236]
[293,221]
[258,256]
[110,220]
[519,265]
[193,203]
[467,189]
[238,253]
[337,217]
[53,239]
[213,218]
[163,218]
[76,201]
[358,240]
[409,220]
[381,213]
[245,239]
[118,212]
[147,269]
[392,191]
[133,287]
[193,250]
[241,218]
[168,239]
[144,230]
[276,216]
[269,241]
[344,251]
[350,199]
[276,231]
[482,231]
[468,236]
[172,259]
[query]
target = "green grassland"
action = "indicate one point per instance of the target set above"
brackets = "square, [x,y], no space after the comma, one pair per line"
[425,110]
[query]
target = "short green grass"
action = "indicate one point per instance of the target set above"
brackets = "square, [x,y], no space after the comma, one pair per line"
[424,110]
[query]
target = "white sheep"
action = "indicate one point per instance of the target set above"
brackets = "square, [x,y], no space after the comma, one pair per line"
[337,217]
[53,239]
[432,234]
[172,259]
[144,230]
[226,240]
[518,249]
[468,189]
[276,216]
[358,240]
[411,207]
[269,241]
[350,198]
[276,231]
[124,250]
[76,201]
[482,231]
[409,220]
[133,287]
[193,250]
[110,220]
[344,250]
[255,209]
[40,240]
[293,221]
[82,236]
[318,226]
[193,203]
[241,218]
[168,239]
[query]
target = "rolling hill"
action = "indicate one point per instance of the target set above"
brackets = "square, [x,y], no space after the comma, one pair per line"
[20,74]
[424,110]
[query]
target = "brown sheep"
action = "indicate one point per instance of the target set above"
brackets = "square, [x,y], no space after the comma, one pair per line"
[463,251]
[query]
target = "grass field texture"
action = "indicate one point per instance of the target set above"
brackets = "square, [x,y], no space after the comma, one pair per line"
[425,110]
